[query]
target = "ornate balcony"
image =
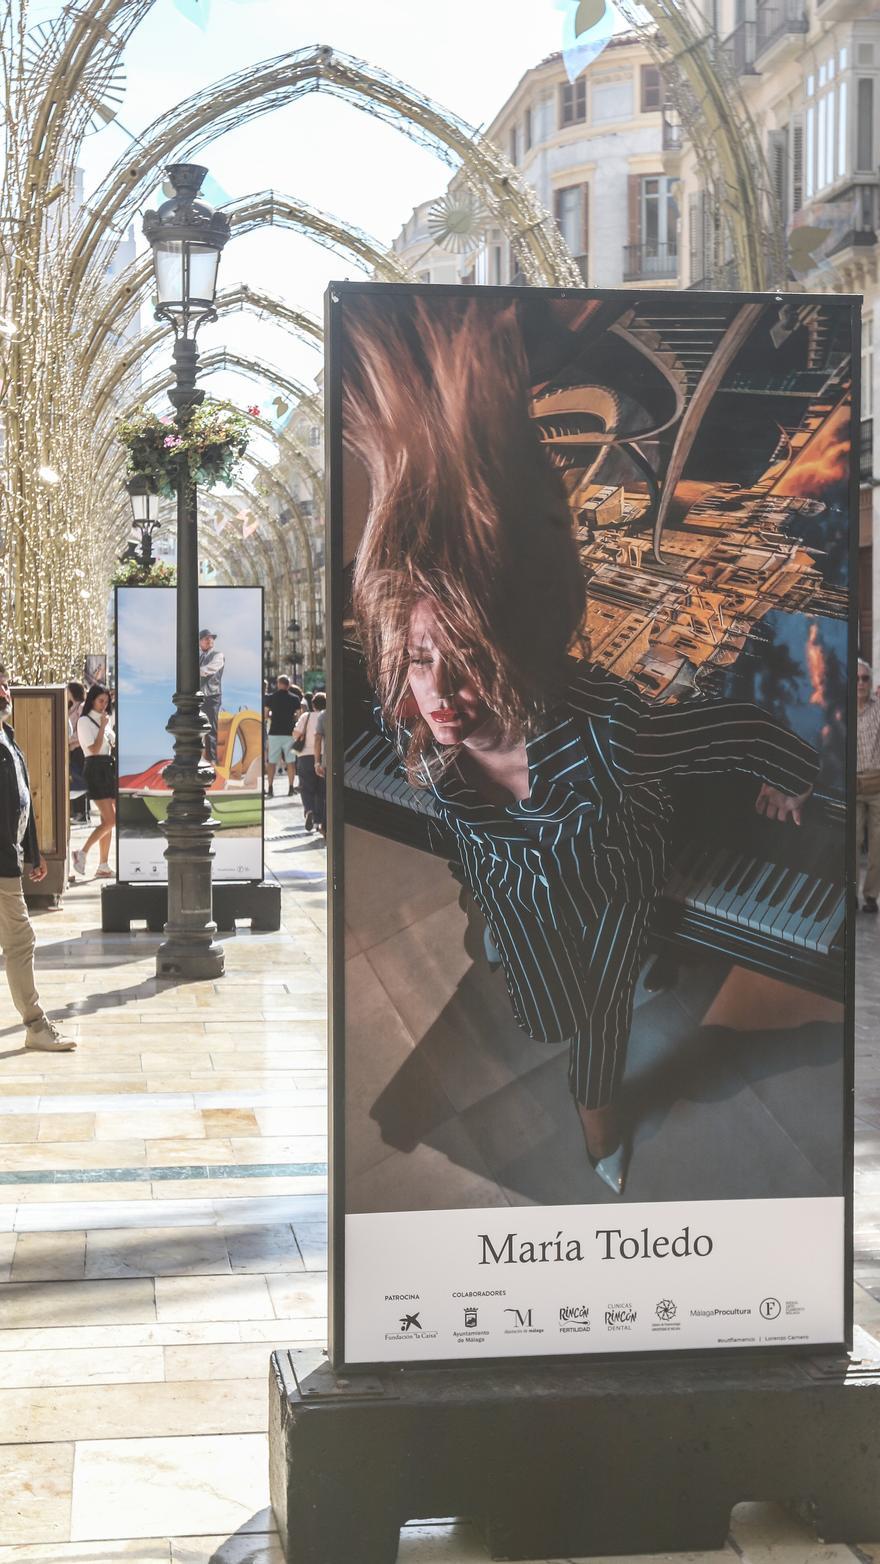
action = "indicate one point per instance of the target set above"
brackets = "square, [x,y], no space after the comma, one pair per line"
[649,260]
[739,49]
[776,20]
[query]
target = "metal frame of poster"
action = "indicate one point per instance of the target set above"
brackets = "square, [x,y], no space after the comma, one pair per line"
[152,795]
[703,447]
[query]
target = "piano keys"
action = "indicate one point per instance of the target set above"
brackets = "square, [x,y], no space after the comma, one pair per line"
[771,896]
[379,798]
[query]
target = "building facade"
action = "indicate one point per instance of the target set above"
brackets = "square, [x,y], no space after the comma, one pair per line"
[592,150]
[809,71]
[606,156]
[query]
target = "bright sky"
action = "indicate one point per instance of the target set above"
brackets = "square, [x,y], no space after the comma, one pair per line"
[466,54]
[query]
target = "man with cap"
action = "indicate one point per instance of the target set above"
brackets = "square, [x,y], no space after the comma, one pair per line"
[18,845]
[211,665]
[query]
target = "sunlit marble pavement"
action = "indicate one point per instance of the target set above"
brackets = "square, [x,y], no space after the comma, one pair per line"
[162,1213]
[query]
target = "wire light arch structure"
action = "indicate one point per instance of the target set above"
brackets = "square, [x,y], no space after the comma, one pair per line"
[58,508]
[266,209]
[228,104]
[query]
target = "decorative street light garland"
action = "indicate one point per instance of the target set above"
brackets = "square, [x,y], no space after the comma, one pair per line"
[213,440]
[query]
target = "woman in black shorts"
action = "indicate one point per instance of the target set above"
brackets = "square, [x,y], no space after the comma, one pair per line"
[97,741]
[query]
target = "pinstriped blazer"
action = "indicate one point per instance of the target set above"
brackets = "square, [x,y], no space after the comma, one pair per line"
[592,832]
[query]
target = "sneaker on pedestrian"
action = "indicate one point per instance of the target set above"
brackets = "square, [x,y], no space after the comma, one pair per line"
[104,872]
[870,904]
[79,861]
[309,821]
[46,1036]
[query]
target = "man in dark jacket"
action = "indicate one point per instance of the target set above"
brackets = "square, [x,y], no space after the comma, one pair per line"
[18,845]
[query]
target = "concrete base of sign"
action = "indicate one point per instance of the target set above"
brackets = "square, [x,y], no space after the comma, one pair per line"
[121,905]
[572,1459]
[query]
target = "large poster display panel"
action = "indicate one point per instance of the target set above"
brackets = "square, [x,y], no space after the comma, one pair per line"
[230,657]
[592,654]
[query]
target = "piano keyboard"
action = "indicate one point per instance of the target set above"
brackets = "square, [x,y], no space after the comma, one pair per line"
[379,798]
[795,906]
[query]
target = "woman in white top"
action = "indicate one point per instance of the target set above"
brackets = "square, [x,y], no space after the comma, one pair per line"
[97,740]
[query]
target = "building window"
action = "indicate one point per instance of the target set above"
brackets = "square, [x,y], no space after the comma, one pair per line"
[514,146]
[527,131]
[571,210]
[495,264]
[611,100]
[652,89]
[657,214]
[314,434]
[866,155]
[573,102]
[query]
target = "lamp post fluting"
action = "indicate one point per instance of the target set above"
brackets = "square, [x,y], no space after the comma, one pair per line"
[187,237]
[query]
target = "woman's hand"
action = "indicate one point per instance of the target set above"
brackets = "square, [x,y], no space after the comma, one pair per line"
[780,806]
[105,718]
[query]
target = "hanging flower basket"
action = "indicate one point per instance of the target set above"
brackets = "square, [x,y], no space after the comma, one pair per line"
[213,444]
[134,573]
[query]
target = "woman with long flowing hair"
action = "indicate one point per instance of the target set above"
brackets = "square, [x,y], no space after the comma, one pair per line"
[552,776]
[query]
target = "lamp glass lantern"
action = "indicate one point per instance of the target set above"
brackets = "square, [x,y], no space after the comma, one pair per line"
[186,236]
[144,498]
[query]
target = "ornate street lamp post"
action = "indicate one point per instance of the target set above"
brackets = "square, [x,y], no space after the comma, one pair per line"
[187,237]
[293,651]
[144,498]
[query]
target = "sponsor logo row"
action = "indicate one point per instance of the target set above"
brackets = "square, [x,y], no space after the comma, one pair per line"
[477,1322]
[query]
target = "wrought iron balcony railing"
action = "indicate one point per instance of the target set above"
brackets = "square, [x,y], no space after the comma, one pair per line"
[649,260]
[739,49]
[776,19]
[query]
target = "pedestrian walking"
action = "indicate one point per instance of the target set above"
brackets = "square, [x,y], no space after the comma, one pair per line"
[79,798]
[304,735]
[319,703]
[97,739]
[18,846]
[868,785]
[282,709]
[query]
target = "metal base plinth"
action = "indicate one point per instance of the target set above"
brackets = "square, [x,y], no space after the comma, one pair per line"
[233,901]
[562,1461]
[188,961]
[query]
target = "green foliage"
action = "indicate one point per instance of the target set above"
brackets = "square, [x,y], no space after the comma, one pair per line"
[212,444]
[133,573]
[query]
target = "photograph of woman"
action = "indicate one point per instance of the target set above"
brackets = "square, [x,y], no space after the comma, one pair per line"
[550,776]
[96,736]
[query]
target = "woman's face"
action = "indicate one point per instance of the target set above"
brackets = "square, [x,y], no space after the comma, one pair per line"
[445,696]
[101,703]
